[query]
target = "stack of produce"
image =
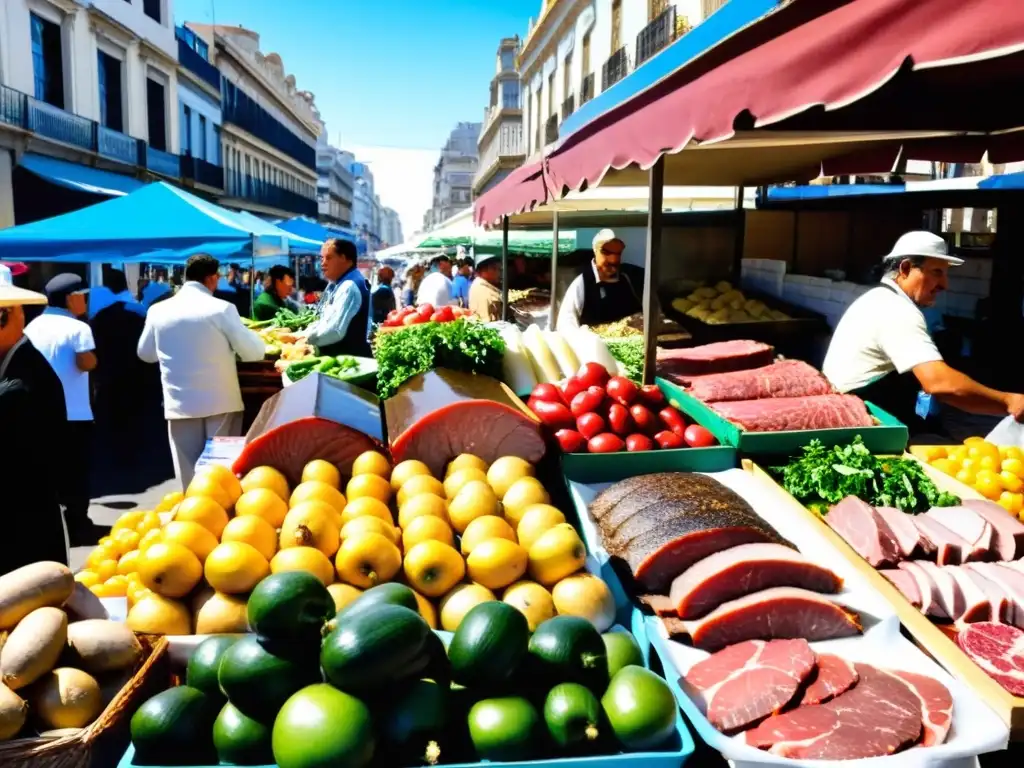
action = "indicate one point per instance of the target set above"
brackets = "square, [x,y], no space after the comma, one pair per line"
[723,304]
[548,357]
[58,668]
[378,690]
[424,313]
[598,413]
[997,473]
[284,323]
[344,367]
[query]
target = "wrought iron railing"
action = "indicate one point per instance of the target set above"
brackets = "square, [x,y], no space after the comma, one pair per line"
[54,123]
[273,196]
[164,163]
[587,89]
[116,145]
[197,65]
[202,172]
[13,106]
[616,68]
[568,106]
[551,130]
[656,36]
[245,112]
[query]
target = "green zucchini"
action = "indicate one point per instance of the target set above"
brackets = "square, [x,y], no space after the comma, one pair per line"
[489,645]
[568,649]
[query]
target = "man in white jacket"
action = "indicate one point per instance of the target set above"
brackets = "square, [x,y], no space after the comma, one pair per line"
[195,338]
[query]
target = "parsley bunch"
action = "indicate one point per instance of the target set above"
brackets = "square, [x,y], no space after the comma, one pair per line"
[629,352]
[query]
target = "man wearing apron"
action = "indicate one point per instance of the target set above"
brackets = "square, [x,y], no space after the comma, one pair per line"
[881,349]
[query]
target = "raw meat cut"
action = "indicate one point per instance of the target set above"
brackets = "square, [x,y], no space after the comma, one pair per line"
[904,581]
[949,548]
[936,706]
[741,570]
[720,357]
[969,526]
[951,596]
[744,683]
[865,531]
[879,716]
[291,446]
[663,523]
[977,606]
[438,415]
[779,613]
[1001,606]
[1008,530]
[911,542]
[926,588]
[785,414]
[1010,583]
[999,650]
[784,378]
[832,677]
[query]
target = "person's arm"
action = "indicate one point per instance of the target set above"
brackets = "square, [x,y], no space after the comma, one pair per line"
[961,391]
[333,323]
[146,350]
[572,307]
[85,349]
[246,344]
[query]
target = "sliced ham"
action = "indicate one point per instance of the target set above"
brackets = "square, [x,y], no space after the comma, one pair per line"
[936,706]
[969,526]
[1001,607]
[949,547]
[929,591]
[865,531]
[741,570]
[904,581]
[1016,565]
[951,596]
[1011,584]
[911,541]
[776,613]
[977,606]
[1008,530]
[832,677]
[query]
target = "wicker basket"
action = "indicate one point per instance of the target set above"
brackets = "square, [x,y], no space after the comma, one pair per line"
[102,743]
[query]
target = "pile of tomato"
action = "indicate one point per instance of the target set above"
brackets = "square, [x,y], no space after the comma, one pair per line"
[424,313]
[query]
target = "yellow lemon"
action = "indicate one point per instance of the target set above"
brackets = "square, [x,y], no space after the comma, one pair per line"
[989,486]
[150,521]
[224,476]
[496,563]
[343,594]
[930,453]
[366,506]
[476,499]
[368,559]
[417,485]
[455,481]
[205,511]
[317,490]
[322,471]
[531,600]
[990,463]
[483,529]
[127,521]
[262,502]
[1011,482]
[87,578]
[156,615]
[369,524]
[169,569]
[192,536]
[127,541]
[306,559]
[254,531]
[465,461]
[269,478]
[150,538]
[207,485]
[505,471]
[169,500]
[432,568]
[311,524]
[967,476]
[406,469]
[460,601]
[129,563]
[235,567]
[523,493]
[105,569]
[421,505]
[957,453]
[427,610]
[1012,452]
[535,521]
[1011,502]
[427,528]
[1014,466]
[372,463]
[558,553]
[374,486]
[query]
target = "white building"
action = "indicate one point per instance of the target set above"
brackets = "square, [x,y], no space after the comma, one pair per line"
[334,192]
[365,204]
[580,48]
[456,168]
[501,144]
[390,227]
[199,114]
[90,82]
[269,128]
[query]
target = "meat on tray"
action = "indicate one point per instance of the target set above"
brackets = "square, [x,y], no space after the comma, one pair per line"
[865,531]
[969,526]
[720,357]
[784,414]
[661,524]
[999,650]
[783,378]
[1008,531]
[909,539]
[833,676]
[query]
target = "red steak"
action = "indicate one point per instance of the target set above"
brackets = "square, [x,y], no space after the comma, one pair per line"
[936,706]
[785,378]
[720,357]
[999,650]
[785,414]
[832,677]
[749,681]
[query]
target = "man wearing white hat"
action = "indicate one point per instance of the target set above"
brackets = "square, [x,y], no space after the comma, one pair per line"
[603,293]
[881,349]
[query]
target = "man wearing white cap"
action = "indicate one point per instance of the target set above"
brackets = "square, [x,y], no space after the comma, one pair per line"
[881,349]
[603,293]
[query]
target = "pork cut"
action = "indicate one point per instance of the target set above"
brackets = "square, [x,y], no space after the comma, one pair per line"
[1001,604]
[904,581]
[832,676]
[1010,583]
[879,716]
[779,613]
[865,531]
[784,378]
[977,606]
[720,357]
[931,603]
[911,542]
[745,683]
[785,414]
[738,571]
[951,596]
[969,526]
[999,650]
[936,706]
[949,547]
[1008,530]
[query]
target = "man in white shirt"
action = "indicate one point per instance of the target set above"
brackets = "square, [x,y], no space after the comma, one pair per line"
[436,288]
[67,344]
[603,292]
[881,349]
[195,338]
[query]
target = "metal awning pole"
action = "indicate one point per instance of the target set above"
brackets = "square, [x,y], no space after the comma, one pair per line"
[652,269]
[252,281]
[504,267]
[554,270]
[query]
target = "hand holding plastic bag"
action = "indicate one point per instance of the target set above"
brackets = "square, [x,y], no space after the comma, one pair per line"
[1008,432]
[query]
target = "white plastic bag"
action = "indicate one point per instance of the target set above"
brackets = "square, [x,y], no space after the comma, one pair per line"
[1008,432]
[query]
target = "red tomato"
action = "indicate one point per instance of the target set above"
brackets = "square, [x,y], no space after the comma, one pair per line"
[572,387]
[590,425]
[570,441]
[639,443]
[698,437]
[587,402]
[549,393]
[606,442]
[667,439]
[424,311]
[621,390]
[412,318]
[619,419]
[444,315]
[673,419]
[554,415]
[646,421]
[650,393]
[394,315]
[407,310]
[592,375]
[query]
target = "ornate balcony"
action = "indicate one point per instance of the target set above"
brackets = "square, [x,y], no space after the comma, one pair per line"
[616,68]
[657,35]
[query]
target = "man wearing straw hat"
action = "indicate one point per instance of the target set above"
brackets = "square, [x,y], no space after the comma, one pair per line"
[34,419]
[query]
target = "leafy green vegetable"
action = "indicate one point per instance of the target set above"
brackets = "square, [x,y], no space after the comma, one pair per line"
[629,352]
[461,346]
[293,321]
[821,477]
[339,367]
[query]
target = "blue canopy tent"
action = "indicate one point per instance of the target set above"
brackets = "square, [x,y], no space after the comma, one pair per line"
[313,230]
[296,243]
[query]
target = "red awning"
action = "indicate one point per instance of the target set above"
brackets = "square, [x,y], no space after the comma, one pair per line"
[520,191]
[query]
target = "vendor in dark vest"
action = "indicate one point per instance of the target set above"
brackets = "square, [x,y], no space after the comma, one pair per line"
[881,349]
[603,293]
[343,312]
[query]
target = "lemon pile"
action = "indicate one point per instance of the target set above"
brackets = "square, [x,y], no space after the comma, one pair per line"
[457,541]
[997,473]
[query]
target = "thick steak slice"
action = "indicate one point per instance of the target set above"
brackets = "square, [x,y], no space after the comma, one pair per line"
[719,357]
[1010,583]
[904,581]
[784,378]
[931,604]
[969,526]
[865,531]
[999,650]
[879,716]
[949,547]
[778,613]
[832,677]
[977,606]
[787,414]
[1000,604]
[1008,530]
[912,543]
[936,706]
[741,570]
[745,683]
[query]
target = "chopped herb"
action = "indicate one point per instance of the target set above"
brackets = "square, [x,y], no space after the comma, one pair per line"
[629,352]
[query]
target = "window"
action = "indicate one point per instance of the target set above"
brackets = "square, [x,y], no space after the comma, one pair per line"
[655,8]
[47,61]
[156,114]
[152,9]
[510,94]
[567,75]
[616,25]
[186,130]
[585,58]
[109,71]
[507,60]
[551,94]
[201,138]
[215,148]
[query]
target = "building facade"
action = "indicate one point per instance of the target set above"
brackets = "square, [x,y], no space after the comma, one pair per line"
[88,82]
[199,114]
[390,228]
[269,128]
[335,185]
[365,205]
[454,173]
[501,145]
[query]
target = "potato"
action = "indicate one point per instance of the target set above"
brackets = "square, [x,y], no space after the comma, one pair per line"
[34,647]
[13,711]
[100,645]
[39,585]
[66,698]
